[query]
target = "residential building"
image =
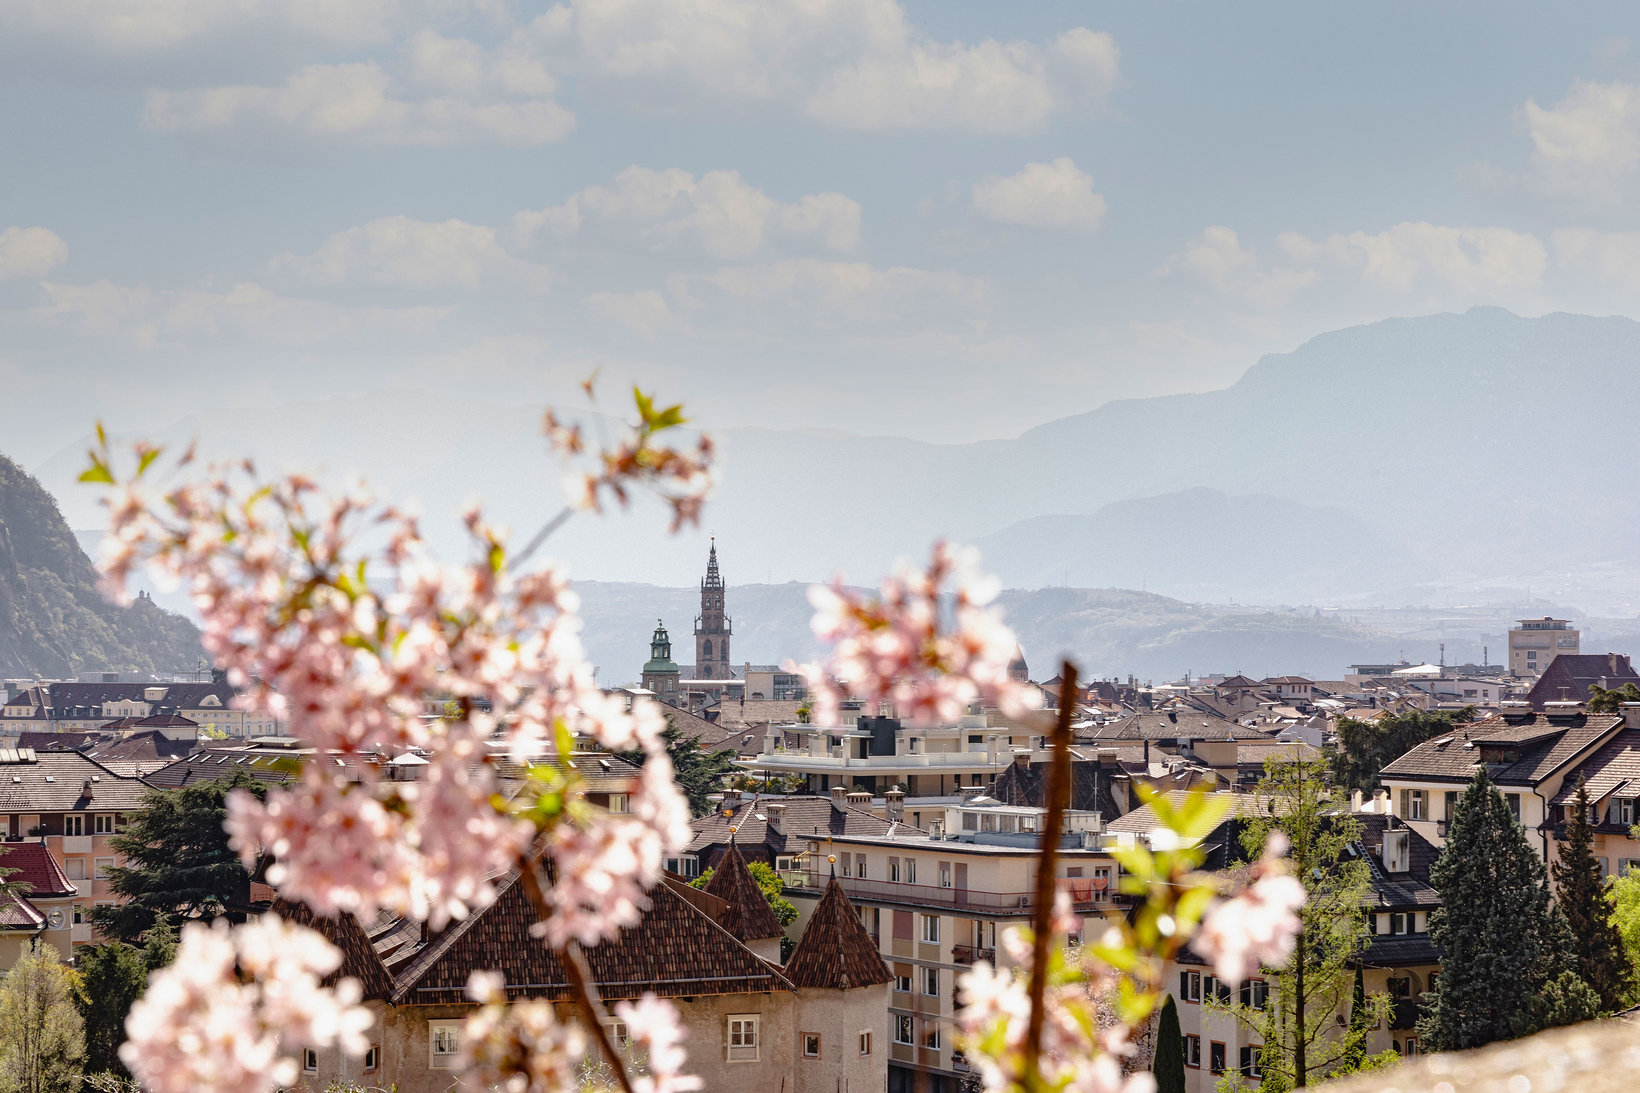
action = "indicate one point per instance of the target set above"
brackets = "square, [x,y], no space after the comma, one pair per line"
[85,707]
[777,831]
[37,903]
[73,806]
[1569,677]
[1534,643]
[934,903]
[814,1027]
[1533,758]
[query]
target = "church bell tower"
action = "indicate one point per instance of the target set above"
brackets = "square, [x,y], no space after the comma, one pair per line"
[712,628]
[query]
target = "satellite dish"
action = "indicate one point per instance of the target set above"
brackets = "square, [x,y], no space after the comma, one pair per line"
[56,919]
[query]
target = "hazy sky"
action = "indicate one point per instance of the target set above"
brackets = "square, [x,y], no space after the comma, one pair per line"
[939,219]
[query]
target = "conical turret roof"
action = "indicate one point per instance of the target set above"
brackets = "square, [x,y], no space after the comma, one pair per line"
[836,952]
[749,917]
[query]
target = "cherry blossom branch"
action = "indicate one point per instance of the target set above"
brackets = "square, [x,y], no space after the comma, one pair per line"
[569,954]
[1042,914]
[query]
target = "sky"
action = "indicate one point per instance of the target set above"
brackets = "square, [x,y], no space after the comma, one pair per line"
[942,220]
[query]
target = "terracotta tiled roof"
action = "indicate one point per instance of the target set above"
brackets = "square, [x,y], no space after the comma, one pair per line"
[37,868]
[359,958]
[748,915]
[55,781]
[1026,784]
[805,817]
[674,950]
[1543,745]
[17,913]
[835,952]
[1613,767]
[209,766]
[1186,724]
[1568,677]
[737,716]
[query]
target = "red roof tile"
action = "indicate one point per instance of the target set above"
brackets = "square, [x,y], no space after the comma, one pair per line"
[35,867]
[835,951]
[748,916]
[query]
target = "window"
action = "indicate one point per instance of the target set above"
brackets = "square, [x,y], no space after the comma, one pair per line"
[310,1060]
[945,874]
[1215,988]
[743,1037]
[74,825]
[619,1033]
[1190,986]
[75,867]
[902,1028]
[103,823]
[372,1058]
[1513,800]
[1397,923]
[902,978]
[1411,1047]
[931,982]
[970,821]
[865,1042]
[1255,993]
[911,870]
[931,1035]
[894,869]
[684,867]
[1193,1052]
[1415,803]
[1215,1057]
[1451,803]
[1249,1062]
[1625,810]
[811,1045]
[1399,986]
[444,1044]
[620,802]
[860,866]
[931,928]
[103,866]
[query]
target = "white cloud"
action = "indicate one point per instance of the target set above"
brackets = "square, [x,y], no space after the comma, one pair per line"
[359,101]
[151,316]
[406,253]
[1479,262]
[1217,259]
[1607,256]
[642,312]
[1043,195]
[30,252]
[1476,260]
[1588,141]
[719,214]
[852,64]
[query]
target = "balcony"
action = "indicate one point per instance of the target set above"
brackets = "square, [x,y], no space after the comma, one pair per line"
[77,844]
[1086,894]
[972,954]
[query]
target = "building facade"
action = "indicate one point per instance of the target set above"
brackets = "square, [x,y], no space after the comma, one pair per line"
[712,626]
[1533,643]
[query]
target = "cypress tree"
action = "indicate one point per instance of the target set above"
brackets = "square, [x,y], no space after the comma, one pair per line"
[1580,892]
[1361,1024]
[1168,1063]
[1501,943]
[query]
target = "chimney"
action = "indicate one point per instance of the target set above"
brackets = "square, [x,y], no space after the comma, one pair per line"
[731,797]
[777,817]
[839,796]
[1380,802]
[894,805]
[1397,851]
[1355,800]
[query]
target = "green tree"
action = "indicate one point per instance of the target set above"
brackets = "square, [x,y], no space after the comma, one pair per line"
[1168,1063]
[1506,953]
[177,860]
[1580,893]
[1302,1039]
[112,976]
[1623,895]
[697,771]
[42,1039]
[1603,700]
[771,885]
[1366,747]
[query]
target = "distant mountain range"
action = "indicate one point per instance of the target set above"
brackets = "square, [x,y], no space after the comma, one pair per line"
[53,622]
[1448,458]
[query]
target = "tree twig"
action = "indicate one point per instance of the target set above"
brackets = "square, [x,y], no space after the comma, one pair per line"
[541,536]
[587,1005]
[1059,784]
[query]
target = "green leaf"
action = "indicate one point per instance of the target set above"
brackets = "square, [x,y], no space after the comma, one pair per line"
[146,459]
[97,472]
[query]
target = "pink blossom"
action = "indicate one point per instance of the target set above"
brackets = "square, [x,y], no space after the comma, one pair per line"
[1256,928]
[899,648]
[230,1013]
[658,1036]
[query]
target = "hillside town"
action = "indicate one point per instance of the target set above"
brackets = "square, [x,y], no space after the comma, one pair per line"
[843,876]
